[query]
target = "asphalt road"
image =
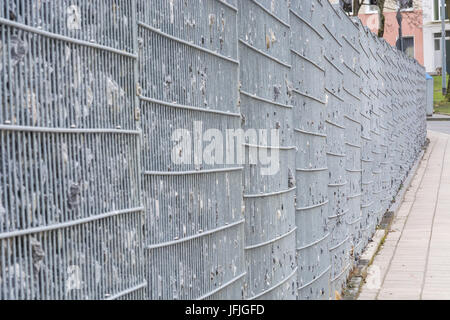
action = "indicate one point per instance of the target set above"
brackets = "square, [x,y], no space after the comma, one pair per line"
[439,126]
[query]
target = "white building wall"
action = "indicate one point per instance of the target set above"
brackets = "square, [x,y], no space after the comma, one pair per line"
[432,58]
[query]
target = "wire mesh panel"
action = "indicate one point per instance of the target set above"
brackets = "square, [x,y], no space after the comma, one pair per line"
[366,135]
[308,77]
[399,121]
[418,99]
[264,34]
[416,122]
[382,173]
[405,117]
[71,216]
[336,157]
[377,149]
[352,136]
[189,79]
[373,186]
[387,163]
[396,127]
[407,121]
[106,23]
[385,113]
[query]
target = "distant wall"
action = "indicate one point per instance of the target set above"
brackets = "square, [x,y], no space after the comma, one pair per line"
[92,203]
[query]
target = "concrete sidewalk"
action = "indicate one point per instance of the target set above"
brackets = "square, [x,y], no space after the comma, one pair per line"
[414,261]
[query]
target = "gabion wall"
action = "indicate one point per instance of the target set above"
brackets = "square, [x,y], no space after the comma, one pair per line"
[265,102]
[92,205]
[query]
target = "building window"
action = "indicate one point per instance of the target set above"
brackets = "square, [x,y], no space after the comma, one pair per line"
[437,11]
[438,40]
[408,46]
[437,45]
[438,34]
[406,4]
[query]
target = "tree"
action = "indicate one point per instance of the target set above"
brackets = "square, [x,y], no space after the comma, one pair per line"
[380,5]
[357,4]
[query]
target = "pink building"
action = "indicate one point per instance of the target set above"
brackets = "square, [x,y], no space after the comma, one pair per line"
[412,25]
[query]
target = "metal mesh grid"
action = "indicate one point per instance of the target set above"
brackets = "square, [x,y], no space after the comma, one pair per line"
[266,103]
[308,76]
[92,205]
[338,208]
[69,144]
[194,224]
[352,135]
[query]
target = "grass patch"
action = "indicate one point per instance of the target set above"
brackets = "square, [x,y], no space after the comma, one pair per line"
[441,103]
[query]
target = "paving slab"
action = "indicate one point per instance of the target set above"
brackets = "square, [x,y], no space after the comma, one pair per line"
[414,260]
